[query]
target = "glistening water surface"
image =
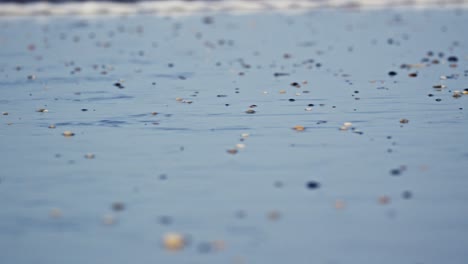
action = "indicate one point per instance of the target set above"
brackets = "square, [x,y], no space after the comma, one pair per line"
[328,137]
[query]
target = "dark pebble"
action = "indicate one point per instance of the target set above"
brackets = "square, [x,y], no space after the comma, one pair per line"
[407,195]
[452,59]
[119,85]
[292,100]
[313,185]
[118,206]
[204,247]
[279,74]
[295,84]
[395,172]
[438,100]
[165,220]
[392,73]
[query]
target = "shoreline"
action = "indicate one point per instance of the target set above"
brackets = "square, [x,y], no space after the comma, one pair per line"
[178,7]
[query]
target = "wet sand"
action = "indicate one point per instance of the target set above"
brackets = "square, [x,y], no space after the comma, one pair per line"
[222,138]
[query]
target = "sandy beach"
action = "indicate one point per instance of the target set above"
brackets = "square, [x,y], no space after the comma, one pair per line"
[335,135]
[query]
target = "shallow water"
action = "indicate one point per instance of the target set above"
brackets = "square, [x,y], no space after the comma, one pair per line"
[172,171]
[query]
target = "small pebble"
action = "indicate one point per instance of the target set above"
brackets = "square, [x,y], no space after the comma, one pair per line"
[240,146]
[232,151]
[274,215]
[439,86]
[457,94]
[51,126]
[295,84]
[174,241]
[89,156]
[392,73]
[165,220]
[205,247]
[340,204]
[108,219]
[68,133]
[299,128]
[250,111]
[407,195]
[313,185]
[404,121]
[384,200]
[118,206]
[452,59]
[4,113]
[55,213]
[42,110]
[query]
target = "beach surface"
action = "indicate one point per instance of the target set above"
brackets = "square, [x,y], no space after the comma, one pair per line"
[330,136]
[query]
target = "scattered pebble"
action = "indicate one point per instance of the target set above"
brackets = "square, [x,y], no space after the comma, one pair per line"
[4,113]
[240,146]
[392,73]
[51,126]
[452,59]
[313,185]
[404,121]
[295,84]
[250,111]
[273,215]
[55,213]
[68,133]
[346,126]
[174,241]
[457,94]
[407,195]
[299,128]
[119,85]
[118,206]
[109,219]
[439,86]
[383,200]
[89,156]
[232,151]
[42,110]
[340,204]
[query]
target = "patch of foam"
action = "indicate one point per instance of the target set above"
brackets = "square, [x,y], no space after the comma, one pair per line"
[180,7]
